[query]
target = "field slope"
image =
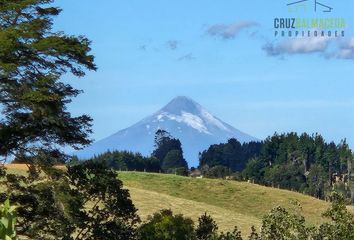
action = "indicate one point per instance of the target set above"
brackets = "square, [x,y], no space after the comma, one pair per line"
[230,203]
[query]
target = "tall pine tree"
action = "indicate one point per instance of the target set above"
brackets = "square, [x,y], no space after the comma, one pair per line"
[35,121]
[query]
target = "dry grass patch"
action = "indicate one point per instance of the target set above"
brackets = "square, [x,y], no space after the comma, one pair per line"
[149,202]
[246,202]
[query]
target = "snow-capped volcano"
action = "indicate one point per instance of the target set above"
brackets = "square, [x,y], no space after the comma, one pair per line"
[184,119]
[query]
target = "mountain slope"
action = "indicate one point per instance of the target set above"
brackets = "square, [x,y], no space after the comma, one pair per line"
[185,119]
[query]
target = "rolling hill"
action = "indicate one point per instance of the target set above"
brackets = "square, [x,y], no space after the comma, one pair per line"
[230,203]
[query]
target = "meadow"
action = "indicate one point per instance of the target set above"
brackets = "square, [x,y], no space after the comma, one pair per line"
[230,203]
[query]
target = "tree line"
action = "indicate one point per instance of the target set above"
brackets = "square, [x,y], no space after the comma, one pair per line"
[304,163]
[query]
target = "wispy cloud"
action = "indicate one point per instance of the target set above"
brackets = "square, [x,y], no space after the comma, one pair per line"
[299,45]
[172,44]
[341,49]
[346,50]
[187,57]
[229,31]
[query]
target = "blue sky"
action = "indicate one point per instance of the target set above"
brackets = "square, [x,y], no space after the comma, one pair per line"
[216,52]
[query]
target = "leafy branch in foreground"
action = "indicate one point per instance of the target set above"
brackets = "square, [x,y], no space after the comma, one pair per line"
[7,221]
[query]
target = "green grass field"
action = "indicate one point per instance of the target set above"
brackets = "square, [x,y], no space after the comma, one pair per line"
[230,203]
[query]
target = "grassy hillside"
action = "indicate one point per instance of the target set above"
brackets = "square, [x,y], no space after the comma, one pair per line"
[229,202]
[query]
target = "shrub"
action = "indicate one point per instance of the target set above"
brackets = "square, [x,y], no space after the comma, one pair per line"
[166,226]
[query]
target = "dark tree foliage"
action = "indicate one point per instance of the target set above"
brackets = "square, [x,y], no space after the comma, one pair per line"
[316,180]
[286,176]
[112,215]
[218,171]
[128,161]
[85,202]
[162,138]
[166,226]
[174,160]
[206,228]
[232,154]
[234,235]
[33,100]
[303,163]
[164,143]
[254,170]
[168,151]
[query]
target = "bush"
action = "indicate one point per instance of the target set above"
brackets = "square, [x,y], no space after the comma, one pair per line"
[166,226]
[207,227]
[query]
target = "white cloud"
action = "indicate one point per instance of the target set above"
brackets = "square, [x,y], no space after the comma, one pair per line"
[299,45]
[342,49]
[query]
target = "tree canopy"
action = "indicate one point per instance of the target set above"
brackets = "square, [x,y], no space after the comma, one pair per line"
[35,121]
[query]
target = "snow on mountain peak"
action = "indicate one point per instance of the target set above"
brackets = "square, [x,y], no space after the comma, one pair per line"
[185,110]
[187,118]
[214,120]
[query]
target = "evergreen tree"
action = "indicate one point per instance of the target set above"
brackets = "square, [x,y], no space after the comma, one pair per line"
[164,143]
[174,160]
[33,100]
[331,158]
[316,180]
[206,228]
[169,152]
[232,154]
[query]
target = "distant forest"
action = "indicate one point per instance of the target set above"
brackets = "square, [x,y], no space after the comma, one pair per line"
[304,163]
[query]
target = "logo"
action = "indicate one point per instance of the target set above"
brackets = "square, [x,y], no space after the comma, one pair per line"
[295,25]
[303,5]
